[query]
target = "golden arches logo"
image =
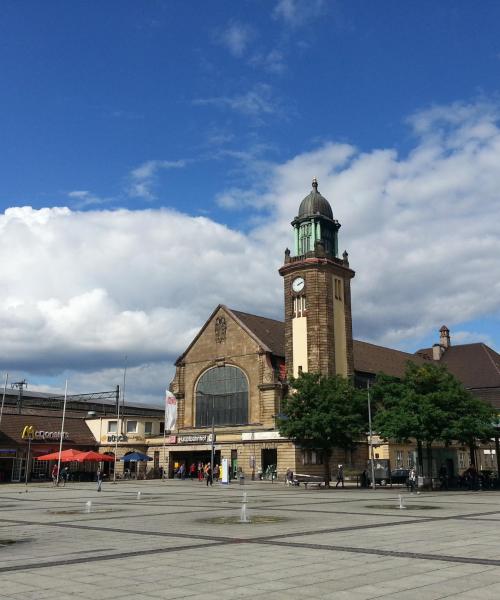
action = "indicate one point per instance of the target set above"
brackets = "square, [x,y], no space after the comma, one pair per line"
[28,432]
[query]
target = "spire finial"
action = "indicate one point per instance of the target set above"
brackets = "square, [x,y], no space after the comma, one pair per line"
[315,184]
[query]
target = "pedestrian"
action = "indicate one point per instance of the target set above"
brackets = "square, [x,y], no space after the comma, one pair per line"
[364,479]
[200,471]
[289,477]
[99,479]
[216,472]
[55,475]
[192,471]
[340,476]
[412,479]
[209,475]
[64,476]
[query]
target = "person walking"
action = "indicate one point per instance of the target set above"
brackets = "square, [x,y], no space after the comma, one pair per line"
[64,476]
[412,479]
[55,475]
[99,479]
[340,476]
[209,475]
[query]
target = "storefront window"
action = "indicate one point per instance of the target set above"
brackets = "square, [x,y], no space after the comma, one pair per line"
[222,395]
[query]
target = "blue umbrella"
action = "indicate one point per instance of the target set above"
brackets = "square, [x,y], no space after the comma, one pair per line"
[136,457]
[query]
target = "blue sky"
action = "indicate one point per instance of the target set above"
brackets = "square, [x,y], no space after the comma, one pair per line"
[224,111]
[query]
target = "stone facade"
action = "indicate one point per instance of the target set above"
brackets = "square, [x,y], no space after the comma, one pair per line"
[319,274]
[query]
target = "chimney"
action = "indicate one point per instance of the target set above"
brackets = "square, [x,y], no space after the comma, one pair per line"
[437,351]
[444,337]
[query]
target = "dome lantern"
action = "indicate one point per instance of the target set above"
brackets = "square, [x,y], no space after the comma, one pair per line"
[314,227]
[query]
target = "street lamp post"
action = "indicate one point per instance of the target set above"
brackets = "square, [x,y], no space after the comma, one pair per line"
[372,462]
[497,446]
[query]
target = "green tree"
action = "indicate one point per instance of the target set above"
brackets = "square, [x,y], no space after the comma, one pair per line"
[429,404]
[323,413]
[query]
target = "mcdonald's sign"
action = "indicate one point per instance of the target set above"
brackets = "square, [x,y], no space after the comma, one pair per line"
[30,433]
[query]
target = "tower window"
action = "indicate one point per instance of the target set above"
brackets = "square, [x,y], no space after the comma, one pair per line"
[299,306]
[338,288]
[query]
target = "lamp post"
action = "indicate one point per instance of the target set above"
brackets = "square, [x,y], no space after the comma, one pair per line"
[496,427]
[27,468]
[372,462]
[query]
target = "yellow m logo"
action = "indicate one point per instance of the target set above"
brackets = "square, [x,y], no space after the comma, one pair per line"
[28,432]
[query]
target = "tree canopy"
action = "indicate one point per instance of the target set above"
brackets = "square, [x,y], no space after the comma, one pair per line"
[323,413]
[429,404]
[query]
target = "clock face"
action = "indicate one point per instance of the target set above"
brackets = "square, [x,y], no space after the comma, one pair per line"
[298,284]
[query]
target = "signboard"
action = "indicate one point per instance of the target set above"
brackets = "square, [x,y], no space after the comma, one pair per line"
[29,432]
[225,471]
[254,436]
[114,438]
[204,438]
[171,439]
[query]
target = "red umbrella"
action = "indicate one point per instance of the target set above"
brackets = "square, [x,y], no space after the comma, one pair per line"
[94,456]
[66,455]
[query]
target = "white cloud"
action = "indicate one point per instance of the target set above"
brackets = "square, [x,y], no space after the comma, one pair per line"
[272,61]
[257,102]
[236,38]
[83,289]
[143,177]
[84,198]
[296,13]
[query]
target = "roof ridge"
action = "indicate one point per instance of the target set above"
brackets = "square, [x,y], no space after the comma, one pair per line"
[384,347]
[241,312]
[486,350]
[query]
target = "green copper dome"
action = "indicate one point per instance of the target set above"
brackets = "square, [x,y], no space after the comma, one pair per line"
[314,204]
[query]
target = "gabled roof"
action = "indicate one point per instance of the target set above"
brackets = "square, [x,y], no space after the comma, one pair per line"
[369,358]
[269,332]
[78,432]
[475,365]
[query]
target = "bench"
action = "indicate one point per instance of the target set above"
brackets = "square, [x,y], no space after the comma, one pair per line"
[308,480]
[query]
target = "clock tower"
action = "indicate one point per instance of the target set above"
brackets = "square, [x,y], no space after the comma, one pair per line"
[318,323]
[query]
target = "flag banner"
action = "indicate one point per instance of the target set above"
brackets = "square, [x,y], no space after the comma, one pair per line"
[170,411]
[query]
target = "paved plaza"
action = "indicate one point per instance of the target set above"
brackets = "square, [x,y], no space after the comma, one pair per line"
[179,539]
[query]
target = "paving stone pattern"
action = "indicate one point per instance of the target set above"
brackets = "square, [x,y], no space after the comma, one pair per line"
[332,544]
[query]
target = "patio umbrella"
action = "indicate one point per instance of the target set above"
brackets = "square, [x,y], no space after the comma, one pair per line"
[94,457]
[66,455]
[136,457]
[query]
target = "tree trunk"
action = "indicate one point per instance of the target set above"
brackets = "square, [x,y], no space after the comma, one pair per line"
[326,463]
[420,459]
[429,461]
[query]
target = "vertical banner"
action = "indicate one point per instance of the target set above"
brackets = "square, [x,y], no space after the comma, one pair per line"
[170,411]
[225,470]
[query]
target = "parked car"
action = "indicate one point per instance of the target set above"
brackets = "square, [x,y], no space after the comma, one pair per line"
[400,476]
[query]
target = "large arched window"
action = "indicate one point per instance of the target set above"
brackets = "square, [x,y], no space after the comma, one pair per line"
[222,394]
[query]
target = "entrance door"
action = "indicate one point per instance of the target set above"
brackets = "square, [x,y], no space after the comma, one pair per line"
[234,464]
[17,470]
[269,461]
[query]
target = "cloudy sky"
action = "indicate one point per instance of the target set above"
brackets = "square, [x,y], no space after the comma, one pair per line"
[153,155]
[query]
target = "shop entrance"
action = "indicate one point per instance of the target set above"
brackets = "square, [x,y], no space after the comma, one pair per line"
[269,461]
[190,457]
